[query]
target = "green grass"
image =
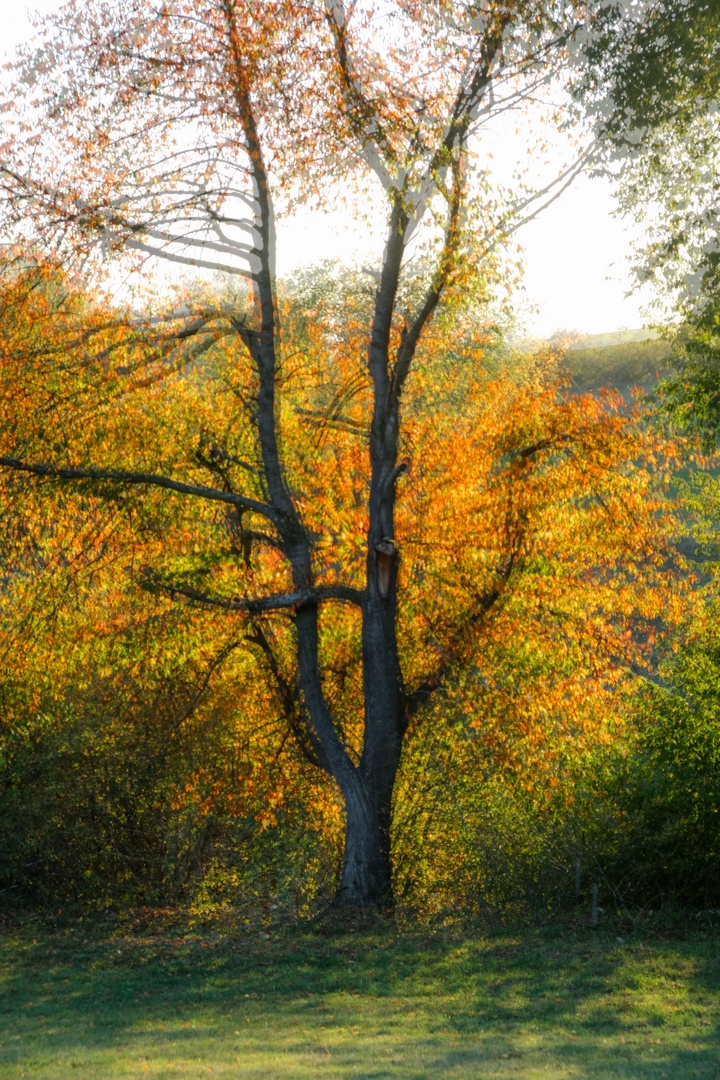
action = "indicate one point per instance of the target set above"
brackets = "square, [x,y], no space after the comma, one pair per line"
[545,1003]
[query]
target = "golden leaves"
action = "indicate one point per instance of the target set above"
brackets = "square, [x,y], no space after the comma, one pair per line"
[533,560]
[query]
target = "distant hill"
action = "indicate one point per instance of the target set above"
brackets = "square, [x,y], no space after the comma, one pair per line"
[619,358]
[612,337]
[633,362]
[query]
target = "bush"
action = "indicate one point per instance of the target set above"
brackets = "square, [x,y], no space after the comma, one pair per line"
[106,802]
[670,794]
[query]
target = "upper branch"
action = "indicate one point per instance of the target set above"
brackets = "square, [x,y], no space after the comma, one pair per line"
[411,337]
[449,150]
[362,116]
[265,225]
[262,345]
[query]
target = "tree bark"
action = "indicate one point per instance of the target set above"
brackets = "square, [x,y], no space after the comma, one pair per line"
[366,880]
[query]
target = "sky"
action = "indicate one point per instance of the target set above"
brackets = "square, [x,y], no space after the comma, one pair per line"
[576,270]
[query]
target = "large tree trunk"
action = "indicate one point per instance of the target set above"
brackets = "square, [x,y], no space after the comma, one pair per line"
[366,876]
[366,882]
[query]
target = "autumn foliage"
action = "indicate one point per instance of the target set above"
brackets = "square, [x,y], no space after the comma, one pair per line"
[533,561]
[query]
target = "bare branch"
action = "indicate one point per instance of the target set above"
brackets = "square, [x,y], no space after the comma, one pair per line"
[133,244]
[418,697]
[306,739]
[260,605]
[59,472]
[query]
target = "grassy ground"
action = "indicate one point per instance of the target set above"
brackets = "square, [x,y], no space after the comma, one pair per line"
[550,1003]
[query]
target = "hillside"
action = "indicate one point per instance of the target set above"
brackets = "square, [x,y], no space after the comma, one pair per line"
[624,364]
[613,337]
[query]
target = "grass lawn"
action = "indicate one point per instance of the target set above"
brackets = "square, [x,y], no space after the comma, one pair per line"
[77,1004]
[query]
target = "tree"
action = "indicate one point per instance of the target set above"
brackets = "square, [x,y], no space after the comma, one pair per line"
[651,86]
[653,91]
[311,448]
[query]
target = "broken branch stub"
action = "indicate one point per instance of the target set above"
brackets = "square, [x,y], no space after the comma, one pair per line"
[385,552]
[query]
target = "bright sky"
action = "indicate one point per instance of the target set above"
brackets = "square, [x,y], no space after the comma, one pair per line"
[575,251]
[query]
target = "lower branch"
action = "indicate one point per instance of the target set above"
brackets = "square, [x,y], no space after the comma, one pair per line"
[305,738]
[418,697]
[258,605]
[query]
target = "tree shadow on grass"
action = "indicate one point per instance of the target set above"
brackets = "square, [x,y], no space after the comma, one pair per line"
[575,1004]
[589,1005]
